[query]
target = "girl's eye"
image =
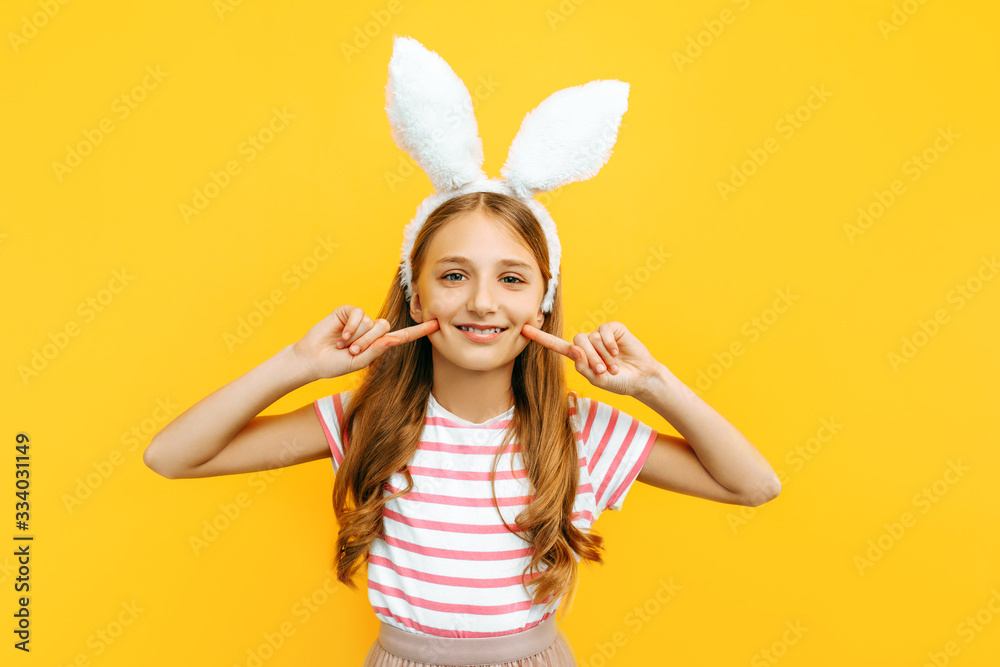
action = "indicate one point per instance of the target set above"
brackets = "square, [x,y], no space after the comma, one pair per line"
[448,275]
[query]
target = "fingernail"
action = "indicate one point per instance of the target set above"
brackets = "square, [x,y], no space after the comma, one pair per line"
[355,349]
[340,344]
[614,369]
[600,368]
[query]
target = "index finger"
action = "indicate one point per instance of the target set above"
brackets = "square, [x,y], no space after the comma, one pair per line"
[548,340]
[416,331]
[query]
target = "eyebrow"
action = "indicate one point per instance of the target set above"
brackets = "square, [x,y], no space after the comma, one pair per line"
[465,261]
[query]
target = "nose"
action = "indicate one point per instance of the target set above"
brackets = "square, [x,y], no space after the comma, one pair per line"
[482,299]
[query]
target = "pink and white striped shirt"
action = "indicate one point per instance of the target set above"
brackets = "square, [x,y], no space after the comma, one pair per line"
[448,567]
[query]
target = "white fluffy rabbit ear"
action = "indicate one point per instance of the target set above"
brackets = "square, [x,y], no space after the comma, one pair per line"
[566,138]
[431,117]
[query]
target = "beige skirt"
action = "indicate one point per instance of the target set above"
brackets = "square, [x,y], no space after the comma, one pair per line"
[544,645]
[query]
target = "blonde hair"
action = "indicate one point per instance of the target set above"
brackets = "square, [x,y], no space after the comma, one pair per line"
[379,441]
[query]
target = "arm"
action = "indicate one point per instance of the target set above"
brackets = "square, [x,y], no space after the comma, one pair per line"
[717,464]
[713,461]
[221,434]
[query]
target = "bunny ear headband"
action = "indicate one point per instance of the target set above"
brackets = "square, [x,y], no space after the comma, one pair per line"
[566,138]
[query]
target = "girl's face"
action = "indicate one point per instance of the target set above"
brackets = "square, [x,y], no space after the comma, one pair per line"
[477,273]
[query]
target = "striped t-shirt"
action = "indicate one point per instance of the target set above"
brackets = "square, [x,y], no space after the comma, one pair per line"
[448,566]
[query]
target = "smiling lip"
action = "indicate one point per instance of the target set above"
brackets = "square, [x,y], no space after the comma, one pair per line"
[480,337]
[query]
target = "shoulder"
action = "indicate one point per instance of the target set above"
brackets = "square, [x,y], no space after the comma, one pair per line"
[599,422]
[341,397]
[574,407]
[576,402]
[581,408]
[331,407]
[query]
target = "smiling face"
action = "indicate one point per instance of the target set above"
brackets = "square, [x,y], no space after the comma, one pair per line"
[478,273]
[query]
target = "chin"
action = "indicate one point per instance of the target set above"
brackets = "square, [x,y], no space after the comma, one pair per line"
[477,362]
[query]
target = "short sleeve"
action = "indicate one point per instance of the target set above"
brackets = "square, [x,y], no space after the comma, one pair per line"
[617,446]
[330,410]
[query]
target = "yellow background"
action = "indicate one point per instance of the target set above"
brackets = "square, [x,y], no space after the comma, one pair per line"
[746,575]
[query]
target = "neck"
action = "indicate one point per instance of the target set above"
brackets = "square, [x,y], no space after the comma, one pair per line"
[476,396]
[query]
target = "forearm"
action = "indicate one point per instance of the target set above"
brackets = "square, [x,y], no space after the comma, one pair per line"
[204,429]
[725,452]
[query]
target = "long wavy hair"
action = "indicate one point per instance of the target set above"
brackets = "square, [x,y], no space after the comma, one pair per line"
[384,419]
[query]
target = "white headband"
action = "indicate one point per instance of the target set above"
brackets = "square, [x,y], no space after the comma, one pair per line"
[566,138]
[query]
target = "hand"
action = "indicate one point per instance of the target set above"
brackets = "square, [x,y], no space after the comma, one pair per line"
[610,357]
[347,340]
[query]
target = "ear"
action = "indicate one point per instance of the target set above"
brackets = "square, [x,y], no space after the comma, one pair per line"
[425,101]
[416,311]
[566,138]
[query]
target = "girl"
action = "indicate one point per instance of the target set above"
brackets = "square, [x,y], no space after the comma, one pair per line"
[419,448]
[467,476]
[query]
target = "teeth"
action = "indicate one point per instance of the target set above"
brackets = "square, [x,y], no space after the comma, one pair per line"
[483,331]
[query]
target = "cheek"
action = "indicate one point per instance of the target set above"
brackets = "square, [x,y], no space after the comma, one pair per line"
[439,300]
[527,314]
